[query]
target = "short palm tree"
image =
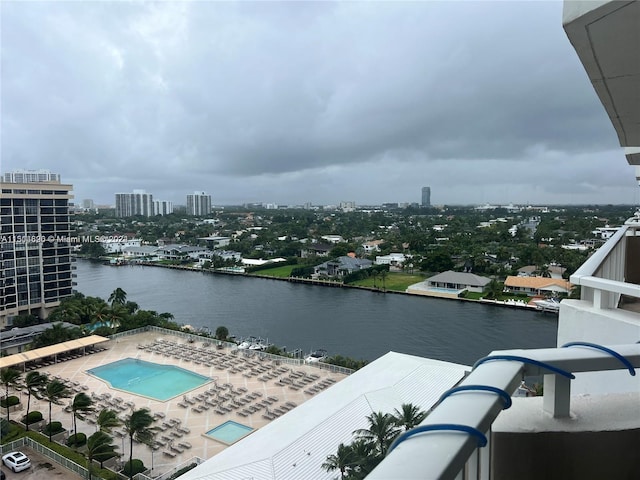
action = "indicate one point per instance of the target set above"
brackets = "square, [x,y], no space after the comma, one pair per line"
[33,381]
[138,426]
[107,420]
[409,416]
[100,447]
[9,377]
[341,460]
[493,289]
[100,317]
[81,403]
[381,432]
[54,392]
[118,297]
[544,271]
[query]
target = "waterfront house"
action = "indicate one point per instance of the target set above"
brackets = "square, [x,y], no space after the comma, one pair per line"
[537,285]
[341,266]
[180,252]
[117,245]
[146,252]
[451,280]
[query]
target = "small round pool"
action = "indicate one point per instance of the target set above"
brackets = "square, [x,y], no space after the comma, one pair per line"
[160,382]
[229,432]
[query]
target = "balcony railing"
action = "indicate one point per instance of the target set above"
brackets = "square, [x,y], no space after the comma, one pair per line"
[447,444]
[602,277]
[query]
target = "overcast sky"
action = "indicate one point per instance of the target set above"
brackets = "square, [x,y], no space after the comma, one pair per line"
[294,102]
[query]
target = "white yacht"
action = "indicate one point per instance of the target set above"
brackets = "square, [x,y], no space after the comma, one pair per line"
[316,356]
[548,305]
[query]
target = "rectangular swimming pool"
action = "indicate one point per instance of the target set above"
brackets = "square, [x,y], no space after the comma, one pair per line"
[229,432]
[160,382]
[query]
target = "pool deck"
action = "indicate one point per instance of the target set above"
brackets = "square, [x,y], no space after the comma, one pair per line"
[244,389]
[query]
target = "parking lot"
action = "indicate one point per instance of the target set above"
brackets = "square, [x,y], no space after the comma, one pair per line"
[42,468]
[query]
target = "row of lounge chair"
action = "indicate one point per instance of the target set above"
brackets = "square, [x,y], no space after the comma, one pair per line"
[272,414]
[318,387]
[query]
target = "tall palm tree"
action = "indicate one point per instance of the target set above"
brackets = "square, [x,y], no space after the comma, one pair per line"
[33,381]
[81,403]
[138,426]
[9,377]
[118,297]
[107,420]
[381,432]
[340,460]
[409,416]
[100,447]
[54,392]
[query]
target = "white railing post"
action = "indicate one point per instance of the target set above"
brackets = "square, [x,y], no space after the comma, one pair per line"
[556,399]
[597,298]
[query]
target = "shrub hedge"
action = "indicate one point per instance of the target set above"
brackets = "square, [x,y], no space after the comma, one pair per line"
[136,466]
[34,416]
[77,440]
[10,401]
[53,428]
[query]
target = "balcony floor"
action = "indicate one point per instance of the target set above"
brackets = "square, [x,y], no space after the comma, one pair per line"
[630,304]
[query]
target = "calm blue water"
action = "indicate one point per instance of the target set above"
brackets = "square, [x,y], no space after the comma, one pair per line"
[229,432]
[148,379]
[350,322]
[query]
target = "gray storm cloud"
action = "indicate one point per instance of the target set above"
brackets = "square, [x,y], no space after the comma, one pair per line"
[294,102]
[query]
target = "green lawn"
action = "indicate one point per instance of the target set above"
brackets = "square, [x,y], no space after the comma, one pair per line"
[397,282]
[503,297]
[279,272]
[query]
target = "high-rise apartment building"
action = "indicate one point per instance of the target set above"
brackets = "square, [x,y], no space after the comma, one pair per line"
[426,197]
[137,203]
[35,252]
[198,203]
[28,176]
[162,207]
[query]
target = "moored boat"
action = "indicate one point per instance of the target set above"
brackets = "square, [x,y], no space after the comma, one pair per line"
[316,356]
[548,305]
